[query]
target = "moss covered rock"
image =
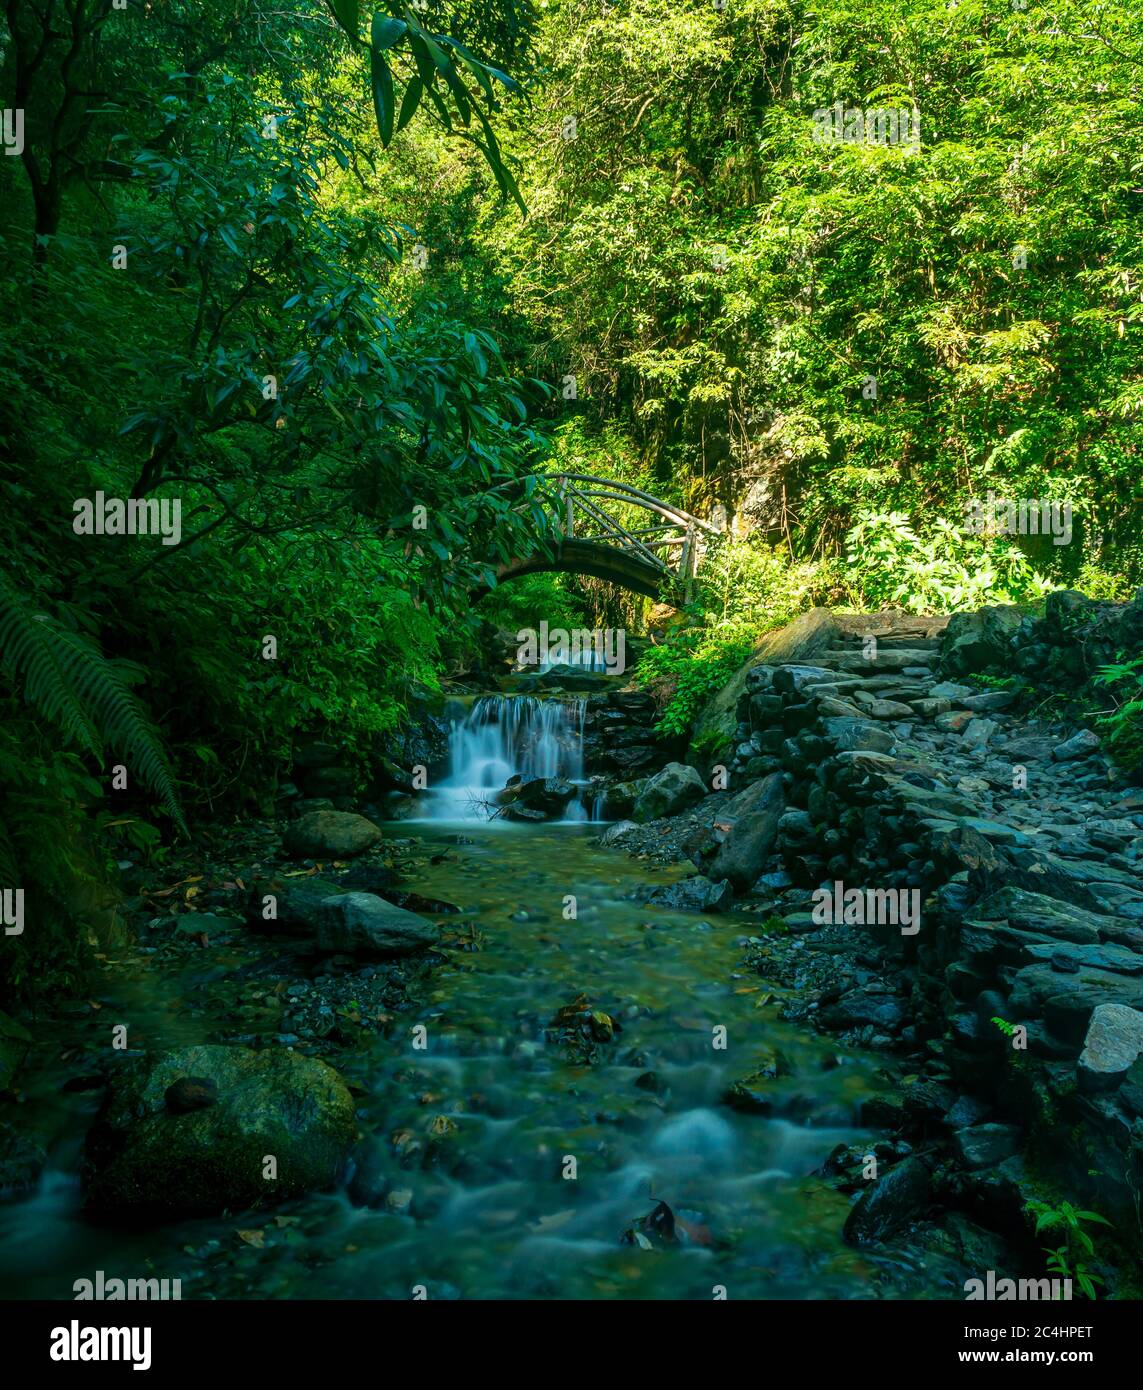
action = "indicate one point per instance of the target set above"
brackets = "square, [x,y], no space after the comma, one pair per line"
[281,1124]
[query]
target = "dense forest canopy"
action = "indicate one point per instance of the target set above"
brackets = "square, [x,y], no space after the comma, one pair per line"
[340,282]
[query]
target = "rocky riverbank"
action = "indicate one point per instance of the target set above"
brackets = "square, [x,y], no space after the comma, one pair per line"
[875,755]
[909,860]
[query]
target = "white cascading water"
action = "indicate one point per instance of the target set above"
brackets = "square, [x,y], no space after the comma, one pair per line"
[505,735]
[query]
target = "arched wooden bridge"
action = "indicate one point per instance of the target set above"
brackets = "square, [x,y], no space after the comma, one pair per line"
[615,532]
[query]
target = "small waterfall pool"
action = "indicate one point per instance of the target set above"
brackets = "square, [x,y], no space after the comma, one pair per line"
[511,736]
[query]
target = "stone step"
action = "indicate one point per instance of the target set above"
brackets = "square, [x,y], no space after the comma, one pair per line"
[913,644]
[893,659]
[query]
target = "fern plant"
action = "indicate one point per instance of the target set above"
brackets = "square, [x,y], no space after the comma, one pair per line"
[69,682]
[1123,726]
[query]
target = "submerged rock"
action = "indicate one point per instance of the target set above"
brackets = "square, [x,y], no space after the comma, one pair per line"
[546,794]
[363,924]
[282,1124]
[754,1093]
[614,834]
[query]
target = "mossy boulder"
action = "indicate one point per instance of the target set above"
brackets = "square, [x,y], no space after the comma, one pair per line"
[668,792]
[144,1154]
[294,906]
[330,835]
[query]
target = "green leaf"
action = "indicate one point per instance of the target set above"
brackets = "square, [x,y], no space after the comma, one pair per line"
[426,68]
[385,31]
[347,15]
[409,102]
[383,98]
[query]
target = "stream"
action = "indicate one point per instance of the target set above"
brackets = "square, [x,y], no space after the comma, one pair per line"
[472,1135]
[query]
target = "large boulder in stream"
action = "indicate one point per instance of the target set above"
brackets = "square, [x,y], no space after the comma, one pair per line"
[753,835]
[668,792]
[286,906]
[364,924]
[148,1153]
[330,835]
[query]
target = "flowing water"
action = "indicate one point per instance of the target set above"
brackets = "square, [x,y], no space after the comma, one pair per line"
[506,1166]
[506,735]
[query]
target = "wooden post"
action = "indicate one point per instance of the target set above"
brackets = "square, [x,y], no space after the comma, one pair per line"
[687,565]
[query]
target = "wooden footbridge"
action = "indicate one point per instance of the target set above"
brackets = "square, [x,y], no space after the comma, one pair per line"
[615,532]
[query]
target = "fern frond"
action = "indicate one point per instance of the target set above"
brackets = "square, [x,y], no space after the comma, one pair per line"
[72,684]
[29,647]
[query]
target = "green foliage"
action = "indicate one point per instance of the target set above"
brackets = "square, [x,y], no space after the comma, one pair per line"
[352,428]
[691,667]
[743,588]
[1122,727]
[723,286]
[344,436]
[434,67]
[71,685]
[942,570]
[526,601]
[1063,1260]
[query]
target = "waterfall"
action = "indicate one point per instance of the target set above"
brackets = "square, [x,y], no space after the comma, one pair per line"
[507,735]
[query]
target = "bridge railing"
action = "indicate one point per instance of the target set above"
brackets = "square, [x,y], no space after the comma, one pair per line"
[672,545]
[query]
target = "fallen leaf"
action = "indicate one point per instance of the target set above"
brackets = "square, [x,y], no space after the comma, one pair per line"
[695,1232]
[255,1238]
